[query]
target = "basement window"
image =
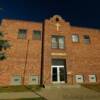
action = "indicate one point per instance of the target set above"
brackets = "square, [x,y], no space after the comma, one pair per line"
[79,78]
[34,79]
[92,78]
[16,80]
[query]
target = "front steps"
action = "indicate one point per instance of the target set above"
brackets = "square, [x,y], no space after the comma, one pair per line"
[62,86]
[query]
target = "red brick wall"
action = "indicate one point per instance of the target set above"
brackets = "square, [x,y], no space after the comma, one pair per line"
[17,53]
[83,59]
[80,58]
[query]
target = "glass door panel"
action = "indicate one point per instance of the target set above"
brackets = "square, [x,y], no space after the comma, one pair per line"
[61,74]
[54,74]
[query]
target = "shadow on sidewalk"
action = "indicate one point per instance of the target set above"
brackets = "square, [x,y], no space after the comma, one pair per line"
[35,92]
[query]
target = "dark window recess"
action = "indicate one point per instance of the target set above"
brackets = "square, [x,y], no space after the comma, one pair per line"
[22,34]
[58,62]
[16,79]
[86,39]
[92,78]
[79,78]
[37,35]
[57,19]
[58,42]
[33,79]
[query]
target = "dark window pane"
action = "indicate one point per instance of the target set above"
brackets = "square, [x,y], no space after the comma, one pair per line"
[54,74]
[86,39]
[37,35]
[58,62]
[62,74]
[22,34]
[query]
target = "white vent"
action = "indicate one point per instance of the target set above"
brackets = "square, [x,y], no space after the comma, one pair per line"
[34,80]
[92,78]
[79,78]
[16,80]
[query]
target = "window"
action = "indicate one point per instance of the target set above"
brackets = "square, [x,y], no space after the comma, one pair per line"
[58,62]
[34,80]
[37,35]
[75,38]
[92,78]
[22,34]
[79,78]
[16,80]
[58,42]
[86,39]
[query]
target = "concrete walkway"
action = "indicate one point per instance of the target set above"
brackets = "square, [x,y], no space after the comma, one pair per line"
[56,93]
[69,93]
[17,95]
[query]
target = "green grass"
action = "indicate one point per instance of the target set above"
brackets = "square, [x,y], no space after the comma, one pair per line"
[19,88]
[95,87]
[28,99]
[32,99]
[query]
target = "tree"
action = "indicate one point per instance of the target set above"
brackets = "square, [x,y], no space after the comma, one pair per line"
[4,44]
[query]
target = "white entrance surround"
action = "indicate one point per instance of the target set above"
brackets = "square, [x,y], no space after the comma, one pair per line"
[58,76]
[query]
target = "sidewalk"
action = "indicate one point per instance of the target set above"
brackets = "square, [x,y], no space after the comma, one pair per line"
[17,95]
[55,93]
[69,93]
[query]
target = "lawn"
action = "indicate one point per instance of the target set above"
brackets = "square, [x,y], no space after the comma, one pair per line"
[27,99]
[19,88]
[95,87]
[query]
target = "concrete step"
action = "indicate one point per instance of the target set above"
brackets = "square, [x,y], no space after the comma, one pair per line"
[62,86]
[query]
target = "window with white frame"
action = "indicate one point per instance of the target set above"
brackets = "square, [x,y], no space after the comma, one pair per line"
[92,78]
[79,78]
[16,80]
[58,42]
[75,38]
[33,79]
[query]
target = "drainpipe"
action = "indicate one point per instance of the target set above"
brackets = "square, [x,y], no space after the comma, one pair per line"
[42,56]
[25,62]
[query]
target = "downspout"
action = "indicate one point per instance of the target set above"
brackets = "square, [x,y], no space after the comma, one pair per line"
[24,72]
[42,56]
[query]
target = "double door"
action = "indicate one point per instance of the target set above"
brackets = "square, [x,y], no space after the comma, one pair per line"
[58,74]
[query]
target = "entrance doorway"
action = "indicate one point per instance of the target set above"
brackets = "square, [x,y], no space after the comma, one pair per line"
[58,71]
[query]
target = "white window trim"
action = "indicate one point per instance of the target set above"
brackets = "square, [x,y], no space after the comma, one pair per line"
[92,80]
[79,80]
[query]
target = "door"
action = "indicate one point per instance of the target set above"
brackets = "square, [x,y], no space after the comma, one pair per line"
[58,74]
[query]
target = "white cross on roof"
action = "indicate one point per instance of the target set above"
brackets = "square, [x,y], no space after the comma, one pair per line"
[58,26]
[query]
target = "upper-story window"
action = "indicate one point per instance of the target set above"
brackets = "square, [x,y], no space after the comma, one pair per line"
[58,42]
[75,38]
[22,34]
[86,39]
[36,35]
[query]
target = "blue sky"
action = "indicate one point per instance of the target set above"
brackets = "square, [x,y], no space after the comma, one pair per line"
[84,13]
